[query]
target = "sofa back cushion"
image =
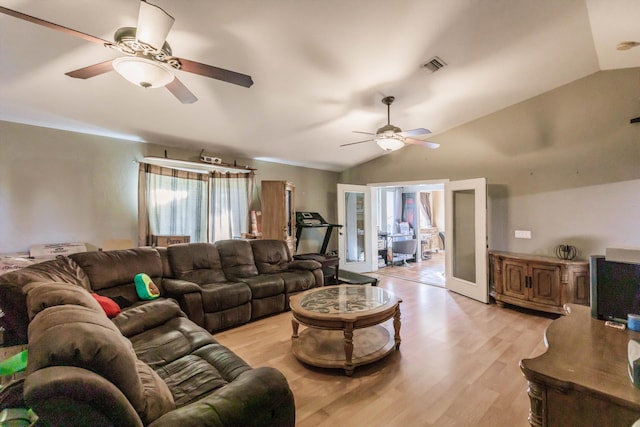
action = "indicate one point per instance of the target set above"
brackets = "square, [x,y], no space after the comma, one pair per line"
[112,273]
[74,335]
[196,262]
[271,256]
[42,295]
[60,269]
[12,300]
[237,260]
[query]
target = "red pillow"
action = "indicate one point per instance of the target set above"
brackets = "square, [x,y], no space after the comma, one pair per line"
[109,306]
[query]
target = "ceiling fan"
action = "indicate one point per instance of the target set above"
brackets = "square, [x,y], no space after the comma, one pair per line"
[390,137]
[148,60]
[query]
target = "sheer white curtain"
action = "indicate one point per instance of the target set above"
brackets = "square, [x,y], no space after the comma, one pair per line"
[172,202]
[230,200]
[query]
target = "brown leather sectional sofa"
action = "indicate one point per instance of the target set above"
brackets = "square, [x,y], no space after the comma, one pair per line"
[156,362]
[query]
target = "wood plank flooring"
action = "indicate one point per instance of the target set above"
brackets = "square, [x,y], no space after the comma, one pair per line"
[457,365]
[427,271]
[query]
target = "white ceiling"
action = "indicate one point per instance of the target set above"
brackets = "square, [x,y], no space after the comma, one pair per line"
[320,67]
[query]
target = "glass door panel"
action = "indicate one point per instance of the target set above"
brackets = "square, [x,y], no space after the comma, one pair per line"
[464,260]
[354,226]
[466,238]
[355,238]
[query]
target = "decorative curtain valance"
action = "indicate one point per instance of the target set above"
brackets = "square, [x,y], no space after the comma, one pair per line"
[176,173]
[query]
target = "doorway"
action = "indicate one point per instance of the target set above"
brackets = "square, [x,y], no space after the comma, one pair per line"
[411,211]
[466,234]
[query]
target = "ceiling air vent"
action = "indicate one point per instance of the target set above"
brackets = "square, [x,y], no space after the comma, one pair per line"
[434,64]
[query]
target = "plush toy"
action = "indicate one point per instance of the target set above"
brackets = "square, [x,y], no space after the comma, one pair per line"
[145,287]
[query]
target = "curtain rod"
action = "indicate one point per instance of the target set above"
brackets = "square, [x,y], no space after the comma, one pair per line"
[195,166]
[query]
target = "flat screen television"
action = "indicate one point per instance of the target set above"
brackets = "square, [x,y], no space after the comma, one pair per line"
[615,289]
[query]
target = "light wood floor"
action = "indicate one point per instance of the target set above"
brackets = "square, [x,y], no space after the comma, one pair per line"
[427,271]
[457,365]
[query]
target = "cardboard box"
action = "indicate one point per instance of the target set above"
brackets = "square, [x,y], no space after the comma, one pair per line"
[167,240]
[55,249]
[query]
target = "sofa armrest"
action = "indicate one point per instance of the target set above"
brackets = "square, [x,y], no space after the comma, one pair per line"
[257,397]
[304,264]
[66,395]
[175,287]
[148,315]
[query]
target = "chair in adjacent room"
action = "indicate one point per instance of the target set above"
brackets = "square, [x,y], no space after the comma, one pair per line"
[405,248]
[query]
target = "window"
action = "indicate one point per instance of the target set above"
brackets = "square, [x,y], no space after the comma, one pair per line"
[230,199]
[205,206]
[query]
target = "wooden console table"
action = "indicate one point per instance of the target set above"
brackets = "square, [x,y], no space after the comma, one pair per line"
[582,379]
[538,282]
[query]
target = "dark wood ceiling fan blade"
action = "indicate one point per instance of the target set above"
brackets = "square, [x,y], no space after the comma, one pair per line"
[415,132]
[180,91]
[427,144]
[53,26]
[357,142]
[215,73]
[366,133]
[91,70]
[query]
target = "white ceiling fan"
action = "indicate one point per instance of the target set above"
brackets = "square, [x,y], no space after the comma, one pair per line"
[148,60]
[391,138]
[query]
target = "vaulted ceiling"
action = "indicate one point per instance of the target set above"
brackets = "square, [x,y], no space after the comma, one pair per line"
[320,69]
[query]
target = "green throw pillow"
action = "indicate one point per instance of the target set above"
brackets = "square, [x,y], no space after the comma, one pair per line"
[145,287]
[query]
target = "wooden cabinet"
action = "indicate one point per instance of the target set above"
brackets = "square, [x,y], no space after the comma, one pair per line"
[538,282]
[278,212]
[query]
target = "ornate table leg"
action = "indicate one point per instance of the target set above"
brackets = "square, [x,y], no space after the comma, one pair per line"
[348,349]
[537,410]
[396,326]
[294,325]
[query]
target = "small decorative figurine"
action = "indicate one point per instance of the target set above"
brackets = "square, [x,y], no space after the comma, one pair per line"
[566,252]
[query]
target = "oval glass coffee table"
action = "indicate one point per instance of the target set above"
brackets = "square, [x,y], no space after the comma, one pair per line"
[344,325]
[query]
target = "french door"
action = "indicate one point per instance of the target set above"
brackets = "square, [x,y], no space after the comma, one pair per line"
[355,242]
[466,238]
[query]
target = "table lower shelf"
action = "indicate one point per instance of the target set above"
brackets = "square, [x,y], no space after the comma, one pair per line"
[326,348]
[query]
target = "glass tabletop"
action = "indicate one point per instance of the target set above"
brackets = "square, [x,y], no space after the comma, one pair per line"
[344,299]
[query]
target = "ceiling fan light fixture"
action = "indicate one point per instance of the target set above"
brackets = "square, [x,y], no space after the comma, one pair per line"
[143,72]
[154,25]
[389,142]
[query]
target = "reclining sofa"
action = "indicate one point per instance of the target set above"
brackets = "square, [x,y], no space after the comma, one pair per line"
[149,366]
[173,371]
[218,286]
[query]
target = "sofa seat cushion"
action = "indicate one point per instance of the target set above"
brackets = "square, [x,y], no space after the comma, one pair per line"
[221,296]
[172,340]
[265,285]
[190,378]
[298,281]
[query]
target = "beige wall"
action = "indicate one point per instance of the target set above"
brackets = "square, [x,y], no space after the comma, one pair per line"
[58,186]
[565,165]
